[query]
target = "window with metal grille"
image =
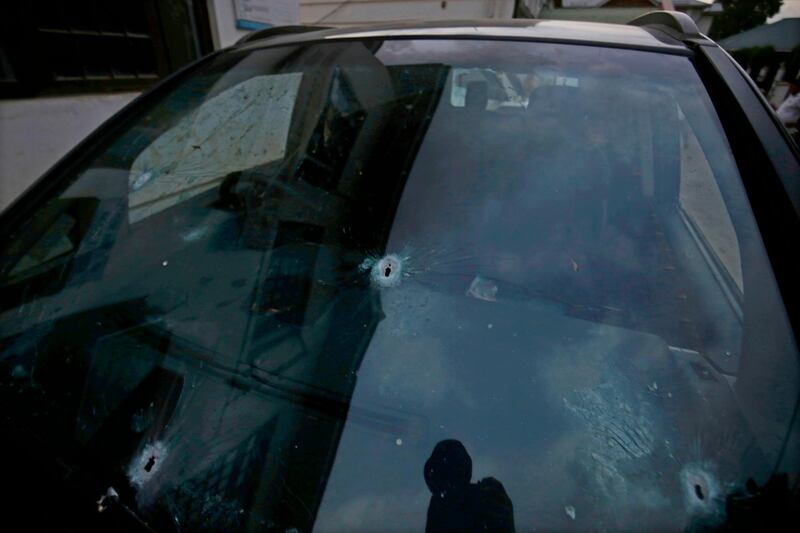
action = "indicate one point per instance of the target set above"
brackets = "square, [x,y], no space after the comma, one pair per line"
[72,46]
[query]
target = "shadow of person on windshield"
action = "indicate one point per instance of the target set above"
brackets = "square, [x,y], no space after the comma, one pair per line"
[458,505]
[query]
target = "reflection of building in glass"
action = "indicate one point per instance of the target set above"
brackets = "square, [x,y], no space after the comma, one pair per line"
[245,304]
[332,190]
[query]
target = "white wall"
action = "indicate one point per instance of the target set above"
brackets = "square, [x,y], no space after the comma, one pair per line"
[223,23]
[222,18]
[789,9]
[36,133]
[354,12]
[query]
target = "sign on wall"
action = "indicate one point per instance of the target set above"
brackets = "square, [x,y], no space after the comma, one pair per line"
[258,14]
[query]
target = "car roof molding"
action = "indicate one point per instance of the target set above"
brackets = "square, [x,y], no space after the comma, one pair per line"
[276,31]
[678,24]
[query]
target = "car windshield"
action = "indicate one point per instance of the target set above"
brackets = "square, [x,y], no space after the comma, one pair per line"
[365,285]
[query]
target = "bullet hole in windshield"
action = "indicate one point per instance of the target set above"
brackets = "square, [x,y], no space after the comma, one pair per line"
[698,490]
[702,490]
[146,464]
[388,266]
[386,271]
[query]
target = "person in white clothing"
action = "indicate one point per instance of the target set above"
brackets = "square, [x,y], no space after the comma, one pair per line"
[789,110]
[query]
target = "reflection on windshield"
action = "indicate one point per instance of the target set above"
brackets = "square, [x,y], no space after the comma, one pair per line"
[218,138]
[263,304]
[458,505]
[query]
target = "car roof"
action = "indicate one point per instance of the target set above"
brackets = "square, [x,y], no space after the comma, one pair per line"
[618,35]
